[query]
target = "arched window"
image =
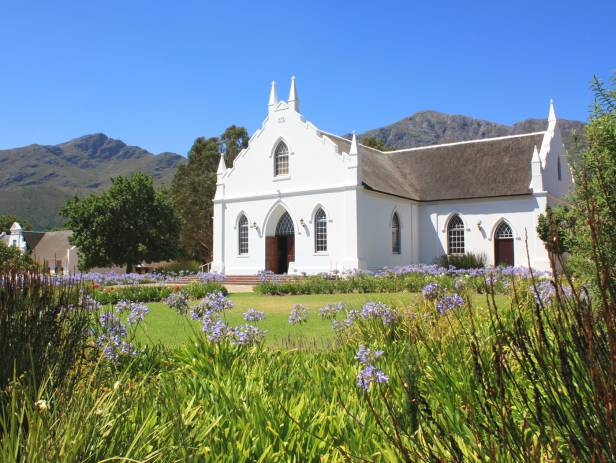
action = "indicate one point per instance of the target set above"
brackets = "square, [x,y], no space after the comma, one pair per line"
[285,226]
[395,234]
[281,159]
[320,231]
[503,231]
[242,235]
[455,235]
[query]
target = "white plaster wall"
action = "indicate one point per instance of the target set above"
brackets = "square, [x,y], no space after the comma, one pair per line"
[520,212]
[374,214]
[553,150]
[266,212]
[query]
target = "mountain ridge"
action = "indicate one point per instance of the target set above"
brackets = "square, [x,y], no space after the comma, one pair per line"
[36,180]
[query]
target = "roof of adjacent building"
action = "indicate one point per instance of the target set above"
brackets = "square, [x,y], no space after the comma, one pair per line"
[51,246]
[464,170]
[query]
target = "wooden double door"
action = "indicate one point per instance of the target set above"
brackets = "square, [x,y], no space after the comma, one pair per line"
[279,251]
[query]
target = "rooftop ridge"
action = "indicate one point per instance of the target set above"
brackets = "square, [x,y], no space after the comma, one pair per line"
[479,140]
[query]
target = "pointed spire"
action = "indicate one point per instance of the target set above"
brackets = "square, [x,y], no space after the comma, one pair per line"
[535,155]
[273,99]
[293,98]
[354,151]
[222,165]
[552,116]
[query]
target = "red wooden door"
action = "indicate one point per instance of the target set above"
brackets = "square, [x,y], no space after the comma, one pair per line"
[503,251]
[271,254]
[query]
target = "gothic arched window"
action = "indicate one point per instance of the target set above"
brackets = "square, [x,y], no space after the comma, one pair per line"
[320,231]
[242,235]
[281,159]
[395,234]
[455,235]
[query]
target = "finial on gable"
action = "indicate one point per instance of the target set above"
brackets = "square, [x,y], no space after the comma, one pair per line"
[293,98]
[551,115]
[222,165]
[273,98]
[354,151]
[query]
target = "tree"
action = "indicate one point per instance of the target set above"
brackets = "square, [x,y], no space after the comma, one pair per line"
[6,221]
[233,140]
[376,143]
[554,228]
[12,259]
[194,187]
[125,225]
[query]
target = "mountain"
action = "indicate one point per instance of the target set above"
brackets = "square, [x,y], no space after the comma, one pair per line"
[431,127]
[37,180]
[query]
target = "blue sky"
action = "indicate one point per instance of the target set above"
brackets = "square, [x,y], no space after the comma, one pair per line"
[158,74]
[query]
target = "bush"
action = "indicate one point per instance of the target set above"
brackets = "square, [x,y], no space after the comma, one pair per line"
[181,266]
[153,293]
[13,260]
[43,326]
[467,260]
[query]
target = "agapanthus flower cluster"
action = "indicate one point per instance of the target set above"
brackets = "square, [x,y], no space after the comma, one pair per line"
[113,336]
[216,330]
[369,374]
[253,315]
[178,301]
[449,302]
[378,310]
[214,302]
[89,303]
[246,335]
[545,292]
[299,315]
[366,355]
[330,311]
[431,291]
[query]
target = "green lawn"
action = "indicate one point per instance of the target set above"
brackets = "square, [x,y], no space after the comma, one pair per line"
[163,325]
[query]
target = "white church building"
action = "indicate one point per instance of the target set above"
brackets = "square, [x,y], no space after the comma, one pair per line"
[300,200]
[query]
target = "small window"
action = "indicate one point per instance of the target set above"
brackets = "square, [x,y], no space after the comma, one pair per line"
[281,160]
[395,234]
[455,236]
[560,174]
[320,231]
[242,235]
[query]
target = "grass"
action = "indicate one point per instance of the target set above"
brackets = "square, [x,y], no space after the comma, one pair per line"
[164,326]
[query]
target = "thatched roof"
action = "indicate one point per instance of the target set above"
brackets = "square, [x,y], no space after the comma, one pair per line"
[474,169]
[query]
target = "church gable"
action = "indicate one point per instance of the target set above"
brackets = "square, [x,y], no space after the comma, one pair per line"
[288,153]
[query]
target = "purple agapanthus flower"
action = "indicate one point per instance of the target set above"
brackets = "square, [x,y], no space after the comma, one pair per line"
[299,315]
[366,355]
[378,310]
[431,291]
[246,335]
[253,315]
[449,302]
[370,374]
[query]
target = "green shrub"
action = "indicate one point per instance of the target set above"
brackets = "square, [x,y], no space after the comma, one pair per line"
[182,265]
[197,290]
[43,326]
[467,260]
[153,293]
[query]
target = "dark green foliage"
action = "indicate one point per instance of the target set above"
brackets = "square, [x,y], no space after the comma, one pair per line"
[12,259]
[366,283]
[6,221]
[127,224]
[43,327]
[144,293]
[194,186]
[555,229]
[462,261]
[180,265]
[373,142]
